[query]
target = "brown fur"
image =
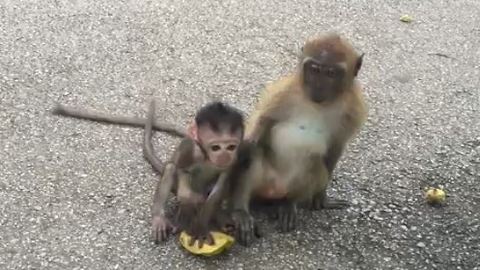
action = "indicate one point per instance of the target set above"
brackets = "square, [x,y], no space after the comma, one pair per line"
[282,109]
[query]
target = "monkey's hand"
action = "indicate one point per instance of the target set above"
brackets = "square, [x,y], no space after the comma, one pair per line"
[161,227]
[245,227]
[223,221]
[200,232]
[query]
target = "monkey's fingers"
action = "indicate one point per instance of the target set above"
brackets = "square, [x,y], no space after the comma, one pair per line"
[228,229]
[195,239]
[164,233]
[292,222]
[249,234]
[156,236]
[160,235]
[192,241]
[173,229]
[161,226]
[209,239]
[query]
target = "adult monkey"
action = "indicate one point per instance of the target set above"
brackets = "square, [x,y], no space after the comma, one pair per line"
[301,126]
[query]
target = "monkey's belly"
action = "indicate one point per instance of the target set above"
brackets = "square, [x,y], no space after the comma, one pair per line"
[297,140]
[272,190]
[297,146]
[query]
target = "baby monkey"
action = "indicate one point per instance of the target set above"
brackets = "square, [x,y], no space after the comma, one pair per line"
[197,172]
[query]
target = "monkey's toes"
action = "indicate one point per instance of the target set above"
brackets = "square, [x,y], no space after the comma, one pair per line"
[335,204]
[245,226]
[287,218]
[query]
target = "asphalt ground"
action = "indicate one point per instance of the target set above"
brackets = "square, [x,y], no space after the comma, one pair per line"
[77,195]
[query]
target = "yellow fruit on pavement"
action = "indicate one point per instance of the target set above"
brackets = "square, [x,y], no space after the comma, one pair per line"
[406,19]
[435,195]
[222,242]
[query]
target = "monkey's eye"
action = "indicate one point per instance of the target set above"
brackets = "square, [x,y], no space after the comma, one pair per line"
[215,147]
[315,68]
[231,147]
[331,72]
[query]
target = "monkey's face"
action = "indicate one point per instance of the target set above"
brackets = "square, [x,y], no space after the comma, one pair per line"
[324,80]
[220,146]
[329,65]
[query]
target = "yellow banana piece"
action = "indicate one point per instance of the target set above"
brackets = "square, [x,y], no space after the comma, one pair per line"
[222,242]
[435,195]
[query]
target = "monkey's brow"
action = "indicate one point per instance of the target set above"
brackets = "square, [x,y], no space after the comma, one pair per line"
[322,64]
[328,56]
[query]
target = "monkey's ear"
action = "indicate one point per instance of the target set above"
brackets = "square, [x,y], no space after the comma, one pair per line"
[358,65]
[307,61]
[192,131]
[300,54]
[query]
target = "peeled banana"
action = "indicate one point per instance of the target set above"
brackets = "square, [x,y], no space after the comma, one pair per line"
[222,243]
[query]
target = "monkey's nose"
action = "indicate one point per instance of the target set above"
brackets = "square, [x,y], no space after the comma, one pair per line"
[224,160]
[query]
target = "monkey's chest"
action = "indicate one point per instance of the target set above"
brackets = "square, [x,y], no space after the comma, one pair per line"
[299,138]
[203,178]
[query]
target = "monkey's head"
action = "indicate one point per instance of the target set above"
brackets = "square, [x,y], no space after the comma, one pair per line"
[328,66]
[219,131]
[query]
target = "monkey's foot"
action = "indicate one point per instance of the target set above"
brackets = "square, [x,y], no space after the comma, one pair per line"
[244,227]
[335,204]
[287,217]
[321,202]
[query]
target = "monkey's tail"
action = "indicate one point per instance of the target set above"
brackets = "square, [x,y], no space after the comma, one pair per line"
[148,150]
[132,121]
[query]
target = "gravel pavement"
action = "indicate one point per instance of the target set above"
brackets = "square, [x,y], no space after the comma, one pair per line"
[76,194]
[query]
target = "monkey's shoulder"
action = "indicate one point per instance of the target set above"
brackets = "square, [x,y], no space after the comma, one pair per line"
[355,107]
[278,89]
[275,98]
[188,153]
[244,153]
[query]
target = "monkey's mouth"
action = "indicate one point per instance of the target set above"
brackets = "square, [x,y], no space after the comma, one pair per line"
[222,167]
[318,96]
